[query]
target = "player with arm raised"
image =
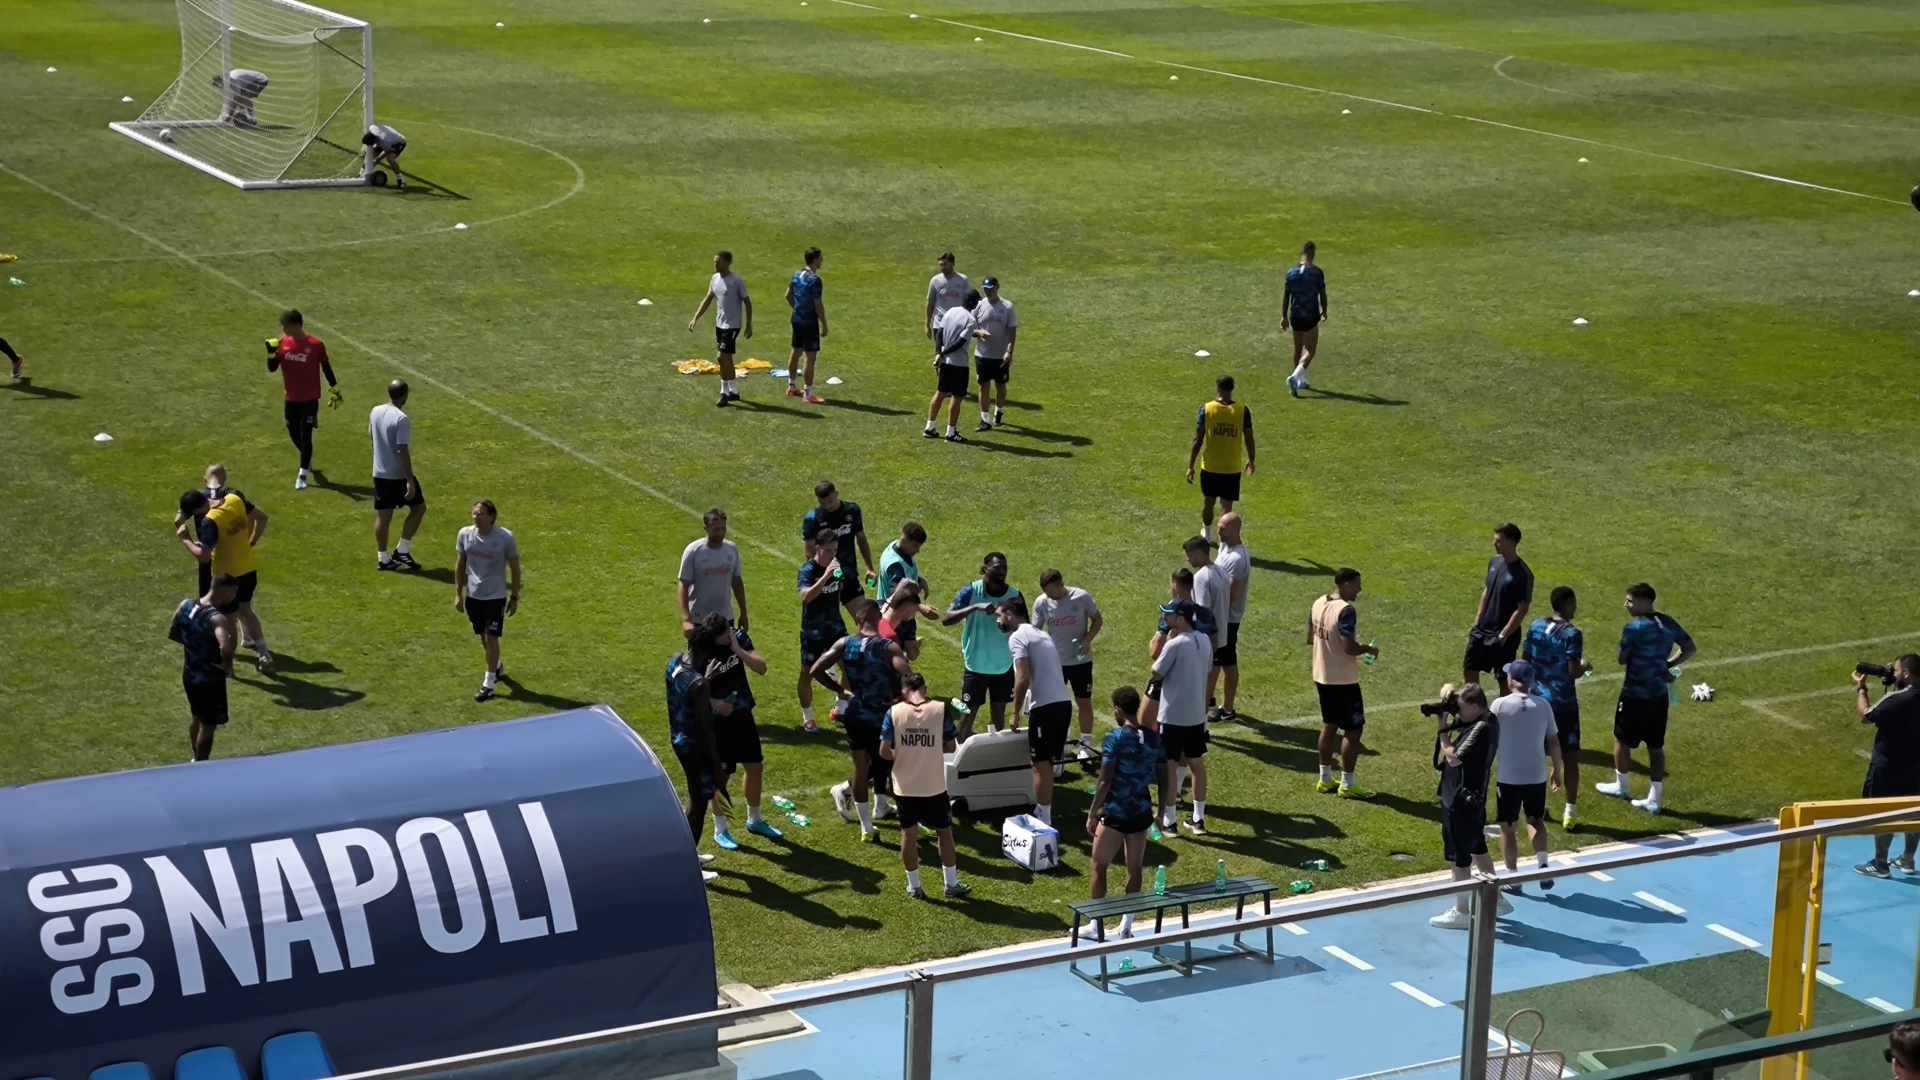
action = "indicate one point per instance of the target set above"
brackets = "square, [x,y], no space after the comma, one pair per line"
[301,359]
[387,145]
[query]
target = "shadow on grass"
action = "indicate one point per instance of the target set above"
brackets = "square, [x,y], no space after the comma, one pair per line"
[1307,568]
[1424,809]
[441,574]
[1278,838]
[356,492]
[814,864]
[45,393]
[797,903]
[1045,436]
[290,693]
[767,407]
[532,697]
[862,407]
[1357,399]
[1018,451]
[285,664]
[1300,758]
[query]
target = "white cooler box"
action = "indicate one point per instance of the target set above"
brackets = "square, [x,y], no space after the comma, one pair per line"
[1030,842]
[989,771]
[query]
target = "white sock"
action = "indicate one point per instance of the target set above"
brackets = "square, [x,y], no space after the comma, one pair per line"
[806,713]
[866,816]
[1199,809]
[1086,738]
[950,430]
[880,804]
[1298,371]
[1541,858]
[1206,532]
[487,680]
[403,547]
[1166,817]
[809,390]
[950,875]
[929,425]
[721,823]
[384,557]
[1126,923]
[1569,807]
[1044,812]
[1346,778]
[1620,778]
[1655,793]
[913,880]
[753,815]
[1326,773]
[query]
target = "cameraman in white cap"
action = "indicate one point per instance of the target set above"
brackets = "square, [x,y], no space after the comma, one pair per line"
[1529,741]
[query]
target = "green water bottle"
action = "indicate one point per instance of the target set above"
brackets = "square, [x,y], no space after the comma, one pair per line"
[873,583]
[1369,658]
[781,802]
[1153,832]
[801,820]
[1220,875]
[1126,963]
[1673,687]
[1160,881]
[1299,887]
[1316,864]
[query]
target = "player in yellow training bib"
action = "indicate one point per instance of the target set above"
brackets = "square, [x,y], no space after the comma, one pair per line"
[222,535]
[1222,446]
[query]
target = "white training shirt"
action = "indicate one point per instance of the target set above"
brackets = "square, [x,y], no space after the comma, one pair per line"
[946,291]
[708,573]
[1034,645]
[728,291]
[952,332]
[386,140]
[247,81]
[1526,723]
[996,319]
[1238,564]
[1213,590]
[1182,670]
[1067,620]
[391,430]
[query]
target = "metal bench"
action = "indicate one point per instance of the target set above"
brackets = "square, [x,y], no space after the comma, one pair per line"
[1184,897]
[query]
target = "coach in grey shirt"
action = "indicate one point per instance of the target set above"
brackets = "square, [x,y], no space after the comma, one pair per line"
[1178,696]
[1529,742]
[710,581]
[1239,570]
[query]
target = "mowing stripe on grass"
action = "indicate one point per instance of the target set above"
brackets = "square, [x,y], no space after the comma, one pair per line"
[1734,936]
[1402,105]
[1664,905]
[406,369]
[1420,995]
[1339,953]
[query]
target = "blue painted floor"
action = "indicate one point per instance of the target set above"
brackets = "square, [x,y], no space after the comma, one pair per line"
[1315,1014]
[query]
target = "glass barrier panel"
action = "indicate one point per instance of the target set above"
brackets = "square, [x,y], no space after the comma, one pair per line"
[860,1039]
[1367,994]
[1642,962]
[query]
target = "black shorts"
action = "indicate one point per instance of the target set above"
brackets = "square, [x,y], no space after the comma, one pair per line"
[953,380]
[1341,706]
[813,646]
[737,736]
[1079,680]
[1127,826]
[724,340]
[1047,730]
[1489,655]
[1889,782]
[489,617]
[977,689]
[1184,741]
[245,584]
[1463,831]
[1228,655]
[1641,720]
[392,494]
[806,337]
[991,370]
[1224,486]
[303,414]
[862,735]
[1305,326]
[701,781]
[1566,717]
[1513,800]
[924,811]
[207,701]
[907,631]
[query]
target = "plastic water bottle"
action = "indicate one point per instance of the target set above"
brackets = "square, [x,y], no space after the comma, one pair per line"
[873,583]
[1091,789]
[1220,875]
[15,282]
[1126,963]
[1673,687]
[1316,864]
[1299,887]
[1153,832]
[960,707]
[799,819]
[1369,658]
[781,802]
[1160,881]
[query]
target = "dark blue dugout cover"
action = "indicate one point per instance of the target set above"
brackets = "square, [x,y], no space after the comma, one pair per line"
[408,898]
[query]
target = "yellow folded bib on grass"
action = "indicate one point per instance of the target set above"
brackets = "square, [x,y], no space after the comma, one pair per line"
[696,367]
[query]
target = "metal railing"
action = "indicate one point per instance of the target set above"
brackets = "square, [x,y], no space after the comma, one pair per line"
[919,985]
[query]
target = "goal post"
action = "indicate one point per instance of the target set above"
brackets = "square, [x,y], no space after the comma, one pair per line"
[271,94]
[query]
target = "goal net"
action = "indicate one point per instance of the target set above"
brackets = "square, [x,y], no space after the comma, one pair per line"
[271,93]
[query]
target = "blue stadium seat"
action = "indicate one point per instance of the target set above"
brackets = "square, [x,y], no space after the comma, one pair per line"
[297,1055]
[211,1063]
[125,1070]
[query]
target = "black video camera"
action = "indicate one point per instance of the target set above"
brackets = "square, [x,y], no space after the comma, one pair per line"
[1876,671]
[1448,707]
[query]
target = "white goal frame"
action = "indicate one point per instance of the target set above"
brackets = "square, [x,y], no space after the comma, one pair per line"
[136,130]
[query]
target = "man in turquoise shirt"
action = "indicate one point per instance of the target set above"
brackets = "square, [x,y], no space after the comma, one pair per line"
[983,645]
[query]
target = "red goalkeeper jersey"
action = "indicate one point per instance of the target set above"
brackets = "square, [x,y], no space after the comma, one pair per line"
[300,363]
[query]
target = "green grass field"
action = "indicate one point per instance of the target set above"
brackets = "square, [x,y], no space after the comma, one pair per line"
[1734,425]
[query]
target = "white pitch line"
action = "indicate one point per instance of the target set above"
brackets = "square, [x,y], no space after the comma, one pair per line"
[1420,995]
[1776,715]
[1826,978]
[1664,905]
[1883,1004]
[1734,936]
[415,373]
[1599,875]
[1339,953]
[1297,931]
[1402,105]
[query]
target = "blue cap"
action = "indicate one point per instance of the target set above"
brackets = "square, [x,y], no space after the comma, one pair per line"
[989,282]
[1521,671]
[1186,609]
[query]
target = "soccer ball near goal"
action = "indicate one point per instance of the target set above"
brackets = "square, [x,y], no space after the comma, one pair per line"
[271,94]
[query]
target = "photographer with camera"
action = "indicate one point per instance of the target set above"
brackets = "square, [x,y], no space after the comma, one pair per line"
[1894,769]
[1463,753]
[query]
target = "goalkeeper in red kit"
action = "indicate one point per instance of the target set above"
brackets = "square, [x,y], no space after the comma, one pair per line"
[301,359]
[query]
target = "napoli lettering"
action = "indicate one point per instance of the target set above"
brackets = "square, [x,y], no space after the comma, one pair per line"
[99,940]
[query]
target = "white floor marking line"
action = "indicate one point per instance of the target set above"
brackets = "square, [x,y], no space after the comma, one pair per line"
[1499,68]
[786,557]
[1826,978]
[1339,953]
[1734,936]
[1883,1005]
[1420,995]
[579,185]
[1599,875]
[1664,905]
[1402,105]
[1297,931]
[1765,706]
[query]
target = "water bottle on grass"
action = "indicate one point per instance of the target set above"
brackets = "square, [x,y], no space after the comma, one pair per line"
[781,802]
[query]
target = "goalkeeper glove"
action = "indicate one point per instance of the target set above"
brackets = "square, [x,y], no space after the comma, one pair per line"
[333,398]
[273,346]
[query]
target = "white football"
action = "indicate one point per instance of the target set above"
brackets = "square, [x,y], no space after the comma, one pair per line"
[166,135]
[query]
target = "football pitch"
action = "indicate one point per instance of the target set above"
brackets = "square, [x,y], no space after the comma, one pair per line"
[1719,187]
